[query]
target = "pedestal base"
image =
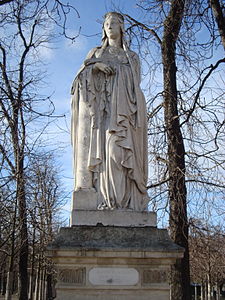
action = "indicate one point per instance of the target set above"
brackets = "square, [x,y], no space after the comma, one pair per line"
[84,212]
[113,218]
[113,263]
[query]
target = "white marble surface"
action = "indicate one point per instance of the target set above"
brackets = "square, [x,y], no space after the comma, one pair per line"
[109,123]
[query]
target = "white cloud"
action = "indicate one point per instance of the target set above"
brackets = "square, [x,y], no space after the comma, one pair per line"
[46,52]
[79,44]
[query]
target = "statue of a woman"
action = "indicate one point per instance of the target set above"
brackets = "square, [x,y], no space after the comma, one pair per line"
[109,128]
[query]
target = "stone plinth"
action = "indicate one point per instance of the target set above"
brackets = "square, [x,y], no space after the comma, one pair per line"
[84,212]
[113,263]
[113,218]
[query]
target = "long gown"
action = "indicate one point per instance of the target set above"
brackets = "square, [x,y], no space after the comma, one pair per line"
[109,130]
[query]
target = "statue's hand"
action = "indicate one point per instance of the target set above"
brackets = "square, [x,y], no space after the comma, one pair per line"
[104,68]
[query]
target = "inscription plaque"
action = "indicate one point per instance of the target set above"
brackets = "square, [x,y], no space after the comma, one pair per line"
[113,276]
[72,276]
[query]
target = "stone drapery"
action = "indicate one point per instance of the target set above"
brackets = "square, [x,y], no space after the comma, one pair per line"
[109,130]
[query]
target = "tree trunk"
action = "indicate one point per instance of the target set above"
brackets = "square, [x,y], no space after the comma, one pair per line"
[209,287]
[202,292]
[44,285]
[10,275]
[23,251]
[219,17]
[217,291]
[49,294]
[180,281]
[196,292]
[32,283]
[9,286]
[41,284]
[4,283]
[206,290]
[37,284]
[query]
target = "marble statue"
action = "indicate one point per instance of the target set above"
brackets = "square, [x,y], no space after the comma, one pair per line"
[109,126]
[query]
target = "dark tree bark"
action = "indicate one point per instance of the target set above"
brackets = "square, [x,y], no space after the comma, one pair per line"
[23,250]
[9,286]
[2,2]
[18,141]
[219,17]
[180,281]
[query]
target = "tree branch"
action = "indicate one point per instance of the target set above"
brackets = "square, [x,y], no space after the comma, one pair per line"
[146,28]
[7,159]
[4,73]
[2,2]
[158,184]
[206,182]
[212,68]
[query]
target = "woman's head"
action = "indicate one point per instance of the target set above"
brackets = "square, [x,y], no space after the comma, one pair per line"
[113,27]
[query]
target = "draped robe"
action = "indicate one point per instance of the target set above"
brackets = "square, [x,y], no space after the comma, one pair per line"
[109,130]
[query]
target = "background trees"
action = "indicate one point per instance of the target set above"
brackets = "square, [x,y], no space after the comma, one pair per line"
[185,119]
[183,40]
[207,258]
[27,27]
[44,198]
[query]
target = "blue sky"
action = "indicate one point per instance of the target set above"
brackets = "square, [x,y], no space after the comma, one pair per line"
[63,61]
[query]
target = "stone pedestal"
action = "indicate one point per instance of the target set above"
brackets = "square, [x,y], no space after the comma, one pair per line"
[112,254]
[84,212]
[113,218]
[113,262]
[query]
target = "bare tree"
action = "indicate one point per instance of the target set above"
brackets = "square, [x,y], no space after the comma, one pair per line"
[45,199]
[207,257]
[185,120]
[26,26]
[180,279]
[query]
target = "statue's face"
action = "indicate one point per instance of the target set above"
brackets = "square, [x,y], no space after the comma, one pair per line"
[112,27]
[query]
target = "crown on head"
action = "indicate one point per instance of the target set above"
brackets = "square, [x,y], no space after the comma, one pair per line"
[114,14]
